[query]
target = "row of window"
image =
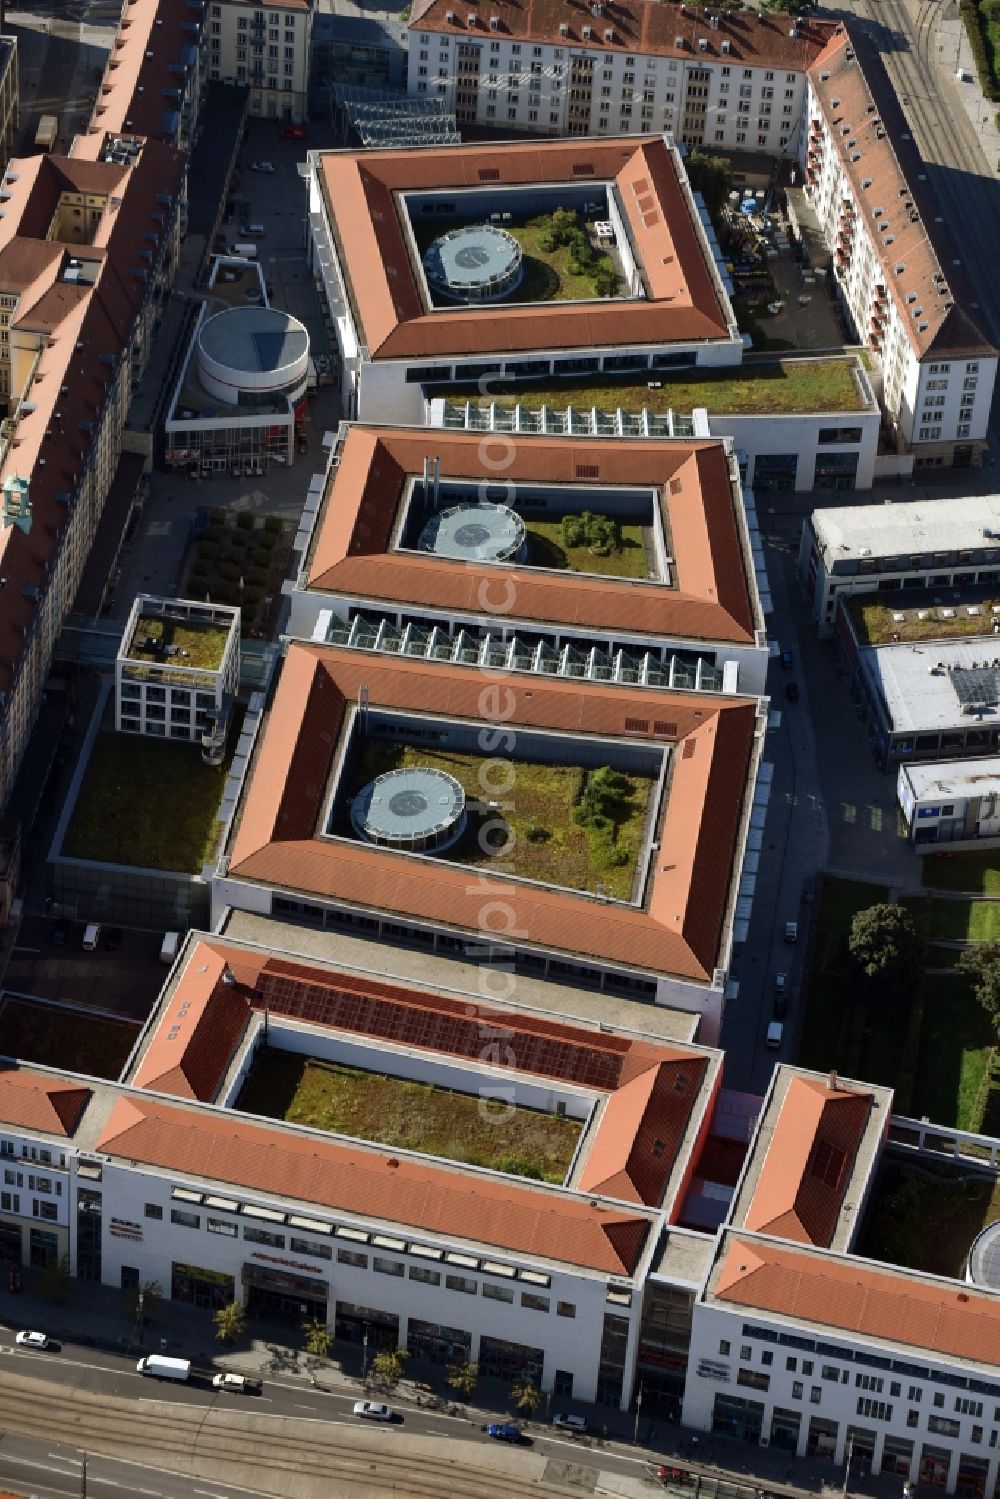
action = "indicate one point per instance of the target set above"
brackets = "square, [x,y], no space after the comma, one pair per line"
[32,1153]
[10,1202]
[609,58]
[863,1357]
[47,1185]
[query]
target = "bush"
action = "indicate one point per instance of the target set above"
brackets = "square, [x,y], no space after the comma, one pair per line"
[256,576]
[207,550]
[606,282]
[535,834]
[272,525]
[230,571]
[975,25]
[571,529]
[244,520]
[252,595]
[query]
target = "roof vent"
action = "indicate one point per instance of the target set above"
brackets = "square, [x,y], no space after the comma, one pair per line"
[855,155]
[471,20]
[866,182]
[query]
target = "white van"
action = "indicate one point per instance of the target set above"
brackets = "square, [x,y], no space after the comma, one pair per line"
[168,947]
[775,1031]
[91,936]
[159,1367]
[243,251]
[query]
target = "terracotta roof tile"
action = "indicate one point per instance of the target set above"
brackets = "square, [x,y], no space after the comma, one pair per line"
[435,1199]
[198,1031]
[681,304]
[32,1101]
[677,932]
[352,550]
[641,1131]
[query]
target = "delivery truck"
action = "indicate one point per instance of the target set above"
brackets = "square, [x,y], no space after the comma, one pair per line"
[47,133]
[158,1367]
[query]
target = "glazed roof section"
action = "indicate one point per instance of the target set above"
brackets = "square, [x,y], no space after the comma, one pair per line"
[816,1143]
[657,1094]
[682,302]
[152,56]
[868,135]
[351,548]
[86,326]
[650,27]
[865,1301]
[680,928]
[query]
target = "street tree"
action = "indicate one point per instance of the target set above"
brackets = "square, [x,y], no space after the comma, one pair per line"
[981,965]
[388,1366]
[55,1283]
[229,1322]
[143,1300]
[526,1396]
[318,1339]
[712,176]
[463,1377]
[883,942]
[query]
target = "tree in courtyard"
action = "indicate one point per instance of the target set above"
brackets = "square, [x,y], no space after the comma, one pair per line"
[981,965]
[463,1377]
[388,1366]
[883,942]
[229,1322]
[526,1396]
[318,1338]
[712,176]
[54,1285]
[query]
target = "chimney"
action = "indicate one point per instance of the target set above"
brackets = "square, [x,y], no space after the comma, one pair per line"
[16,504]
[833,1082]
[437,482]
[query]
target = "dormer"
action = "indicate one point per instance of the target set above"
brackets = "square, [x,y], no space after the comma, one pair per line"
[16,503]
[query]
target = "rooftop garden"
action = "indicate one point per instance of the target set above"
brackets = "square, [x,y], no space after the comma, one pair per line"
[181,642]
[149,803]
[788,385]
[566,826]
[926,1217]
[560,263]
[872,616]
[406,1115]
[591,544]
[60,1036]
[239,559]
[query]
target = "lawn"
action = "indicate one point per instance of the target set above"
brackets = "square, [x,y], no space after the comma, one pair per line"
[198,645]
[540,840]
[410,1116]
[546,549]
[148,803]
[927,1219]
[874,624]
[954,1054]
[830,1016]
[961,920]
[546,274]
[781,385]
[57,1036]
[976,874]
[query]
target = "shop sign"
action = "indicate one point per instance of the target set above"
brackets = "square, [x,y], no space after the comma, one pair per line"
[276,1259]
[123,1228]
[195,1272]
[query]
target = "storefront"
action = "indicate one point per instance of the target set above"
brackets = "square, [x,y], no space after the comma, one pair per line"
[43,1248]
[775,472]
[934,1465]
[436,1344]
[897,1455]
[822,1439]
[972,1475]
[785,1426]
[354,1324]
[197,1287]
[735,1417]
[499,1359]
[10,1243]
[280,1296]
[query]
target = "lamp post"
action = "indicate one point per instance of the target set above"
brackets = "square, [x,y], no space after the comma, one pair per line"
[142,1296]
[364,1360]
[847,1464]
[638,1408]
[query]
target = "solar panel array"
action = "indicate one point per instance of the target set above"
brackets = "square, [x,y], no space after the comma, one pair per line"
[411,1018]
[977,686]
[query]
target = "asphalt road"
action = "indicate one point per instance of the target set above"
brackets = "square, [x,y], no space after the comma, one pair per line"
[51,1470]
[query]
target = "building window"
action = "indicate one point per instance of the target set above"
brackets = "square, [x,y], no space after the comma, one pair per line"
[186,1220]
[460,1283]
[425,1274]
[153,1210]
[263,1236]
[791,1364]
[565,1309]
[753,1379]
[497,1293]
[943,1426]
[386,1267]
[797,1389]
[352,1257]
[306,1246]
[724,1348]
[534,1303]
[220,1226]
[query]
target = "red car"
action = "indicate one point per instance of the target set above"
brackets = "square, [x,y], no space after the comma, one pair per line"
[293,132]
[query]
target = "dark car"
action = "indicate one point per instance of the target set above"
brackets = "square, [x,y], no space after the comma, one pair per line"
[786,660]
[503,1431]
[112,938]
[792,692]
[293,132]
[59,933]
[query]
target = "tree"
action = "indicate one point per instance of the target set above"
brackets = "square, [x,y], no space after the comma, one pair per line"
[463,1377]
[55,1282]
[318,1338]
[526,1396]
[388,1366]
[143,1300]
[712,176]
[229,1322]
[981,965]
[883,942]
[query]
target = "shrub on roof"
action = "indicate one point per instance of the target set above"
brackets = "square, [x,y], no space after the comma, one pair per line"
[272,525]
[244,520]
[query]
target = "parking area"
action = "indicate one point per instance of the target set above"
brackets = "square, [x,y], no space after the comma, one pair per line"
[123,982]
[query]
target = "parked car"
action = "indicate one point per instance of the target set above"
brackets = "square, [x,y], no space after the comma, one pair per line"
[59,933]
[112,938]
[775,1032]
[373,1410]
[566,1422]
[786,660]
[792,692]
[238,1384]
[32,1339]
[791,931]
[293,132]
[262,166]
[504,1431]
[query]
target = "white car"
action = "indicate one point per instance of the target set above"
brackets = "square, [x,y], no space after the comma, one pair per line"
[32,1340]
[372,1410]
[262,166]
[239,1384]
[569,1423]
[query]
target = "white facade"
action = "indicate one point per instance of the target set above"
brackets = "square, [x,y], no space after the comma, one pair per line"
[35,1197]
[580,89]
[165,695]
[954,803]
[264,48]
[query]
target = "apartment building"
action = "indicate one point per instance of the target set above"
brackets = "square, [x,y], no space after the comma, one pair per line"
[909,552]
[87,251]
[863,179]
[10,95]
[379,221]
[263,47]
[707,77]
[154,78]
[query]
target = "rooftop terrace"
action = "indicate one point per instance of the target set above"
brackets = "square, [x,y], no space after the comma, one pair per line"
[882,618]
[179,642]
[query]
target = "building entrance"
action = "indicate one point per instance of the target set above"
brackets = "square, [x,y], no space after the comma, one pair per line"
[277,1296]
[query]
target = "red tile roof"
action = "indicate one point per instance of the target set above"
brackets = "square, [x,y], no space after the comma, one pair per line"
[808,1163]
[641,1131]
[824,1290]
[352,550]
[145,61]
[32,1101]
[198,1032]
[680,929]
[650,27]
[360,188]
[434,1199]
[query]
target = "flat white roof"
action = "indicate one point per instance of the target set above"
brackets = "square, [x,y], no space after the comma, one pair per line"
[927,686]
[954,778]
[963,522]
